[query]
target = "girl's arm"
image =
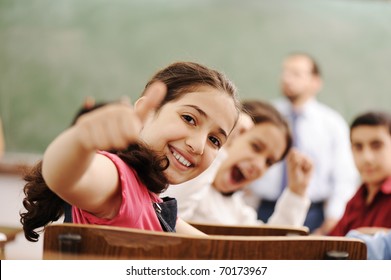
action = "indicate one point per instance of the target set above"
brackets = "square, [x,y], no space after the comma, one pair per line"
[72,168]
[185,228]
[292,206]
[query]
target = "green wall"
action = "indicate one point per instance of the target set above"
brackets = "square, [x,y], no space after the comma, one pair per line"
[55,53]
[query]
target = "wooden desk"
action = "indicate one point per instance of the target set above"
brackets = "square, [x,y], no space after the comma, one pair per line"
[10,234]
[259,230]
[75,241]
[3,241]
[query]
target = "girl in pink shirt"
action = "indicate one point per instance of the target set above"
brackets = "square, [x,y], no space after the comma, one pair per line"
[171,135]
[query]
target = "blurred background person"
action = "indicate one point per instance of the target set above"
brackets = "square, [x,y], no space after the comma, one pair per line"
[370,135]
[323,135]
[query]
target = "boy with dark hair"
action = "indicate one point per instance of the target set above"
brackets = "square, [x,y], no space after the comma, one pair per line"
[370,136]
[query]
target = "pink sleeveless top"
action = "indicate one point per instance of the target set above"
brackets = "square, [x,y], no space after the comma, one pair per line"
[136,209]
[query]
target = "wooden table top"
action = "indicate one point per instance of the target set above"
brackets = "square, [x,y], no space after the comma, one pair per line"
[10,232]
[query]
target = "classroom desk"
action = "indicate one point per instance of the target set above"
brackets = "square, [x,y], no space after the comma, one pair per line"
[7,234]
[3,241]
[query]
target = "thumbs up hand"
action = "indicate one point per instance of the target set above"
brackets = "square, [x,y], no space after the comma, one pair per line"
[117,125]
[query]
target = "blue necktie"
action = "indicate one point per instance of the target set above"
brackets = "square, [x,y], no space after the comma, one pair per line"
[293,122]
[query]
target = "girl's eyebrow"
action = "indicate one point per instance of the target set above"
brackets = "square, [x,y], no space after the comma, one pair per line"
[205,115]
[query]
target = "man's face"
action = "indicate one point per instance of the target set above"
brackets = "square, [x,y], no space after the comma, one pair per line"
[297,80]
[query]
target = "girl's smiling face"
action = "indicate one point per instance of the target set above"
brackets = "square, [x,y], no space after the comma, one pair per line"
[190,130]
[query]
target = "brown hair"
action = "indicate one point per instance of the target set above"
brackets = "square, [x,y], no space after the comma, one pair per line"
[184,77]
[263,112]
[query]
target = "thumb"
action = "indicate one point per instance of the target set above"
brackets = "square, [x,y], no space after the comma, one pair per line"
[153,96]
[125,100]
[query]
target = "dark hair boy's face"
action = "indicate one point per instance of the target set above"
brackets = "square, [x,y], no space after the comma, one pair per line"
[371,147]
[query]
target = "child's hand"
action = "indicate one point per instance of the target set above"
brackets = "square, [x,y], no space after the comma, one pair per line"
[299,169]
[115,126]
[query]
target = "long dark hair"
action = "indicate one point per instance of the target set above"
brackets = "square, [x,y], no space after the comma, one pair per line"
[44,206]
[183,77]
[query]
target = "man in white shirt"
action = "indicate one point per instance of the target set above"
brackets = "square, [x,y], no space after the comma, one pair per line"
[323,135]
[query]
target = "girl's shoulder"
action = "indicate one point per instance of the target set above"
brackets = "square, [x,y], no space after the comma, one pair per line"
[126,173]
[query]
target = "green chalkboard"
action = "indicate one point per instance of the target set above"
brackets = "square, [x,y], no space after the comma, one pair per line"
[55,53]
